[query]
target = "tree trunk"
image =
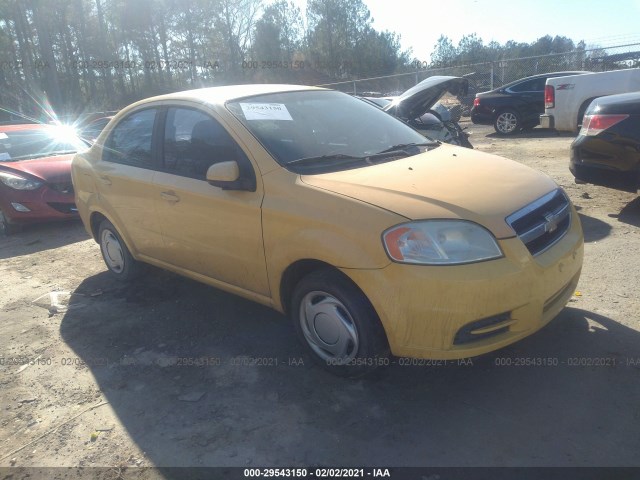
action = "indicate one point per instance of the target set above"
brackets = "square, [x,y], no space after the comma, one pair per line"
[46,50]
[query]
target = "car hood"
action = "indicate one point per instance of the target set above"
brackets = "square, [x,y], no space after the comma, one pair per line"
[419,99]
[448,182]
[50,169]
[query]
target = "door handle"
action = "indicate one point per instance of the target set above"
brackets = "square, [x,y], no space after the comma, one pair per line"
[170,197]
[104,179]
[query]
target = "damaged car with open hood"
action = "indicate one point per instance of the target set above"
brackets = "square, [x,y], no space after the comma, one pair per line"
[375,240]
[420,108]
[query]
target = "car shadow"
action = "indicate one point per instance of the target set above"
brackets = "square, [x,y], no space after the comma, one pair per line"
[40,237]
[593,229]
[533,133]
[630,214]
[198,377]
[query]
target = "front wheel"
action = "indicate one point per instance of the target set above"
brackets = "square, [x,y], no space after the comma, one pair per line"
[337,324]
[115,253]
[507,122]
[7,228]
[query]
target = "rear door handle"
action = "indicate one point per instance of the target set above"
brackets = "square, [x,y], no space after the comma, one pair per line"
[104,179]
[170,197]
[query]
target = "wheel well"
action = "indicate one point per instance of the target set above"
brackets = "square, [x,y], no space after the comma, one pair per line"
[507,109]
[582,110]
[296,272]
[96,220]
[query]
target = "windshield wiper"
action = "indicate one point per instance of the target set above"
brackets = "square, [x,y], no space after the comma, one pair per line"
[333,156]
[370,159]
[401,147]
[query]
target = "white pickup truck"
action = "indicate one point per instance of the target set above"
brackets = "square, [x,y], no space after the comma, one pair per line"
[567,98]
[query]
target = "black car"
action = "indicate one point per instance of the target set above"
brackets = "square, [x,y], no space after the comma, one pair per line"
[514,106]
[607,150]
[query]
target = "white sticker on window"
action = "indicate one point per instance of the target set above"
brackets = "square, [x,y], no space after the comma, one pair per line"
[265,111]
[3,136]
[4,156]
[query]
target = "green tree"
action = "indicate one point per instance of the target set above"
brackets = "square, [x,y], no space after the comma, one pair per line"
[444,53]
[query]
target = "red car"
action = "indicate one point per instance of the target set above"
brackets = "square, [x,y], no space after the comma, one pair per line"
[35,174]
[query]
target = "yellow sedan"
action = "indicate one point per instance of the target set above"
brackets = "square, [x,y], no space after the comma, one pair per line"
[373,238]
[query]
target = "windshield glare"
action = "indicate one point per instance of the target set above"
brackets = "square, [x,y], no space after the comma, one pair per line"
[308,124]
[37,143]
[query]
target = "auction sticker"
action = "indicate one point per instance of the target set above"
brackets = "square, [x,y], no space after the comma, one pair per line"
[265,111]
[3,136]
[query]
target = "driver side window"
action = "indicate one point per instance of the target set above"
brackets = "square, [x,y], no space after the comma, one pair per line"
[193,141]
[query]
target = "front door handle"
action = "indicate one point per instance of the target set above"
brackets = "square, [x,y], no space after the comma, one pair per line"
[104,179]
[170,197]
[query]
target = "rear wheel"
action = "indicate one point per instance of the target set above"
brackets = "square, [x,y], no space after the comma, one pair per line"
[507,122]
[115,253]
[337,324]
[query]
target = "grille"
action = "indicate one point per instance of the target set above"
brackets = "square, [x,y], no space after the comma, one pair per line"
[62,187]
[542,223]
[63,207]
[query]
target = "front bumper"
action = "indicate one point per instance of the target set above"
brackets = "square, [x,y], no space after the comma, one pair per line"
[429,311]
[547,121]
[44,204]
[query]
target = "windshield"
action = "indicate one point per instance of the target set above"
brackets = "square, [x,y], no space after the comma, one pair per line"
[318,131]
[36,143]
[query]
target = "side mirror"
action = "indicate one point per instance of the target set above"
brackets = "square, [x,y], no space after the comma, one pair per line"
[223,172]
[226,175]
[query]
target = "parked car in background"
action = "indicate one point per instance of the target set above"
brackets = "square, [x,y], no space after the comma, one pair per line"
[566,99]
[514,106]
[607,150]
[35,174]
[91,130]
[313,202]
[431,119]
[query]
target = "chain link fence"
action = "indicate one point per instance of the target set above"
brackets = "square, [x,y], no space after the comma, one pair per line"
[489,75]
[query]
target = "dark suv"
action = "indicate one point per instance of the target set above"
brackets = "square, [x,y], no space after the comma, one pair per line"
[514,106]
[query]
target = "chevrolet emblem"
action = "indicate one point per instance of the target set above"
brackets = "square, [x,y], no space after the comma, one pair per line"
[551,222]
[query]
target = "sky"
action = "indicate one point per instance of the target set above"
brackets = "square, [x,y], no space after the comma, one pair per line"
[421,22]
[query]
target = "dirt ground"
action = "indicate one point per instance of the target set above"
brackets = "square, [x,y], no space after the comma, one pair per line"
[164,373]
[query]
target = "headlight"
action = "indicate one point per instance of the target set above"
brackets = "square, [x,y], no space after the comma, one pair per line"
[440,242]
[19,183]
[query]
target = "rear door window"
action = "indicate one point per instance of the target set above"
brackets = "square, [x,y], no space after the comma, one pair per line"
[130,142]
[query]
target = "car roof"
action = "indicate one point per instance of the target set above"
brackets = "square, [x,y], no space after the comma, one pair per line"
[221,95]
[544,75]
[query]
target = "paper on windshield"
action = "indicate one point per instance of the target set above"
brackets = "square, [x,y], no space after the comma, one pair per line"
[265,111]
[3,136]
[4,156]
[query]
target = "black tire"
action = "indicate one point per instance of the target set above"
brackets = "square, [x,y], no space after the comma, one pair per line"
[115,253]
[339,309]
[507,122]
[7,228]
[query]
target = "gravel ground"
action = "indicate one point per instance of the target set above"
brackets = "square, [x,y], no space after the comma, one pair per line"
[163,373]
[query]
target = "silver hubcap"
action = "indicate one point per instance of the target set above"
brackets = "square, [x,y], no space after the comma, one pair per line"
[507,122]
[112,251]
[328,327]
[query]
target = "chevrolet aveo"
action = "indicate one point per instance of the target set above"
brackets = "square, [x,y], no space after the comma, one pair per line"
[373,238]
